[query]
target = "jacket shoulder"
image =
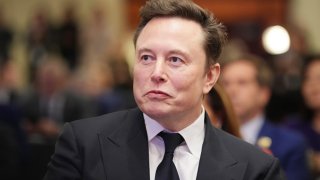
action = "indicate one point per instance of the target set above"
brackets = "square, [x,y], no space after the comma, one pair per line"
[106,122]
[242,150]
[283,137]
[259,165]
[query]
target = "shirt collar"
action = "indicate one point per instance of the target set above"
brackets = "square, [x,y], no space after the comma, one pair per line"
[193,134]
[250,129]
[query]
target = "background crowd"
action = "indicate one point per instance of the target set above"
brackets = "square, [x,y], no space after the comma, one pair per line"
[73,71]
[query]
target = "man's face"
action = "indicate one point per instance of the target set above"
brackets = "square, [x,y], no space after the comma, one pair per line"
[169,72]
[240,82]
[311,86]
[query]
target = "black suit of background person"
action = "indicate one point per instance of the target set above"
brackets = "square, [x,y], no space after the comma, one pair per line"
[177,44]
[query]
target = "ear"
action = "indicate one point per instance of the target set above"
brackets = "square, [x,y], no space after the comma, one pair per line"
[211,77]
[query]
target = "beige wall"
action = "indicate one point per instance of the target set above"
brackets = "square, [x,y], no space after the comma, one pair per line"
[306,14]
[17,14]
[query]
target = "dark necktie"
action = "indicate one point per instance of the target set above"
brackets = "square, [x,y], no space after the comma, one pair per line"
[166,169]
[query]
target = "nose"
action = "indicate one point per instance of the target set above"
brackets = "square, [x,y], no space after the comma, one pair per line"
[159,72]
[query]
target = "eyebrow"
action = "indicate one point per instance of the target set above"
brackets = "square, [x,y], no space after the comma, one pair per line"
[178,52]
[144,50]
[175,51]
[184,54]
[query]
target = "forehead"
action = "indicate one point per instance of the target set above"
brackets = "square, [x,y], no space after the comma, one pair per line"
[314,66]
[239,69]
[167,27]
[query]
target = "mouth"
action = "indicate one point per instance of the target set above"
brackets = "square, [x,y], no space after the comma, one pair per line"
[155,94]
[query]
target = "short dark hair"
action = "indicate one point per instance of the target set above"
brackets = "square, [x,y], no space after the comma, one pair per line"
[308,60]
[215,34]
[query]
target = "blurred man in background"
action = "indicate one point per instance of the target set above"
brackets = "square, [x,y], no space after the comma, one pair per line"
[247,80]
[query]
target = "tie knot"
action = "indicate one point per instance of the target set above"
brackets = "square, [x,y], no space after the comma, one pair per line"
[171,141]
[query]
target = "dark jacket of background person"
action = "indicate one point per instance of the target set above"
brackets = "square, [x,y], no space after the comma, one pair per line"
[72,108]
[9,152]
[14,154]
[292,154]
[14,149]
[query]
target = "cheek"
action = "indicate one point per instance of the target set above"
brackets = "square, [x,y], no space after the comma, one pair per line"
[139,74]
[242,94]
[308,97]
[138,80]
[306,92]
[189,84]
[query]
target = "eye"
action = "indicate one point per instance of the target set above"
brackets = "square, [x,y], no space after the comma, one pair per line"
[176,61]
[146,58]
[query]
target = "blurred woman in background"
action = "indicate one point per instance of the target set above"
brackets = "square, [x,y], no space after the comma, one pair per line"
[309,123]
[220,110]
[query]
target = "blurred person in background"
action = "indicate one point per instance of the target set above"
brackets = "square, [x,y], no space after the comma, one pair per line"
[68,38]
[120,96]
[220,110]
[14,151]
[92,79]
[308,121]
[108,84]
[248,81]
[286,95]
[6,37]
[287,78]
[96,37]
[46,106]
[8,83]
[50,103]
[40,40]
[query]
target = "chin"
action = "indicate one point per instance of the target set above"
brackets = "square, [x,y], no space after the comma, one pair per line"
[154,111]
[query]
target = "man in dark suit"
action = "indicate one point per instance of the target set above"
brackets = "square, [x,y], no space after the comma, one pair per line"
[49,103]
[177,44]
[249,93]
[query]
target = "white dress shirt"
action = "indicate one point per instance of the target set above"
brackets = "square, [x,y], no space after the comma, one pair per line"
[250,130]
[186,156]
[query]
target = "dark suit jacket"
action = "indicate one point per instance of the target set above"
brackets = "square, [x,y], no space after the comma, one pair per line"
[115,147]
[290,148]
[74,107]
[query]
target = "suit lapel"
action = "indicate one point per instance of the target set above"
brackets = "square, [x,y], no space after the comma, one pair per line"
[266,130]
[216,162]
[266,138]
[125,151]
